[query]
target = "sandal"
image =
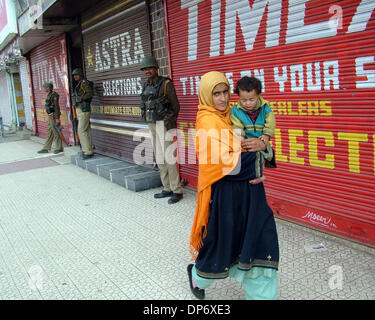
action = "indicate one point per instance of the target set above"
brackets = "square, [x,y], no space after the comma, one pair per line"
[198,293]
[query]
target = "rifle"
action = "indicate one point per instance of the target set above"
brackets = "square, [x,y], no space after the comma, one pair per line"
[75,120]
[59,131]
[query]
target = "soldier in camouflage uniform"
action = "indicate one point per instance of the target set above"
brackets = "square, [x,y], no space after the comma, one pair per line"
[82,97]
[53,112]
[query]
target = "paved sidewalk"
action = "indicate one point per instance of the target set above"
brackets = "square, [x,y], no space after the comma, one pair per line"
[19,135]
[68,234]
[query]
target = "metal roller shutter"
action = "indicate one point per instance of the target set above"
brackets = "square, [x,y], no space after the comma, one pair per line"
[316,61]
[48,63]
[116,37]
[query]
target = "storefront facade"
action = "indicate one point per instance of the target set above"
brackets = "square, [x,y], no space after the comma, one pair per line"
[11,116]
[316,61]
[49,63]
[116,36]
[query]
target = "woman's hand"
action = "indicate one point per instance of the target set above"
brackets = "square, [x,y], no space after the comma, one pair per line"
[253,145]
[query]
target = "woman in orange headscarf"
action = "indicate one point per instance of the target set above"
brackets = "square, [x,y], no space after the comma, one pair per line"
[234,232]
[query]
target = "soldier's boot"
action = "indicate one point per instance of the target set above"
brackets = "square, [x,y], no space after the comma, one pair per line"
[86,156]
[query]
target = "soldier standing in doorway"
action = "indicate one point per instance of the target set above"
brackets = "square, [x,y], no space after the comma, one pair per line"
[53,112]
[160,108]
[82,96]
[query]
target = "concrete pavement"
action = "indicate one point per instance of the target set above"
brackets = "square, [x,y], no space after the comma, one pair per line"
[66,233]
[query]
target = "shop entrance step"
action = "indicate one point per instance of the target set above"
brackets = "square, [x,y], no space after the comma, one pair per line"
[126,174]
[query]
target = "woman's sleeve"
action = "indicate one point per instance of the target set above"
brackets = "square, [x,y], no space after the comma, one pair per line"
[245,169]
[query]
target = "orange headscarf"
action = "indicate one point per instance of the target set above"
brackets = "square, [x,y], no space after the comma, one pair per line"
[218,150]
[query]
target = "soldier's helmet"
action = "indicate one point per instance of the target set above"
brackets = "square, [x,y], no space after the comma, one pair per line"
[149,62]
[77,71]
[48,85]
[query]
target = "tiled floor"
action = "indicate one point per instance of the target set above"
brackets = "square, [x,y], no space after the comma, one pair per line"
[68,234]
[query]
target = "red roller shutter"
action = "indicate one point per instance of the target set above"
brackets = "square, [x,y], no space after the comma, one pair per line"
[316,60]
[49,64]
[116,37]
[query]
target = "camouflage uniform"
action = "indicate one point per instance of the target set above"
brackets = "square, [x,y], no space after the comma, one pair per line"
[53,111]
[83,94]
